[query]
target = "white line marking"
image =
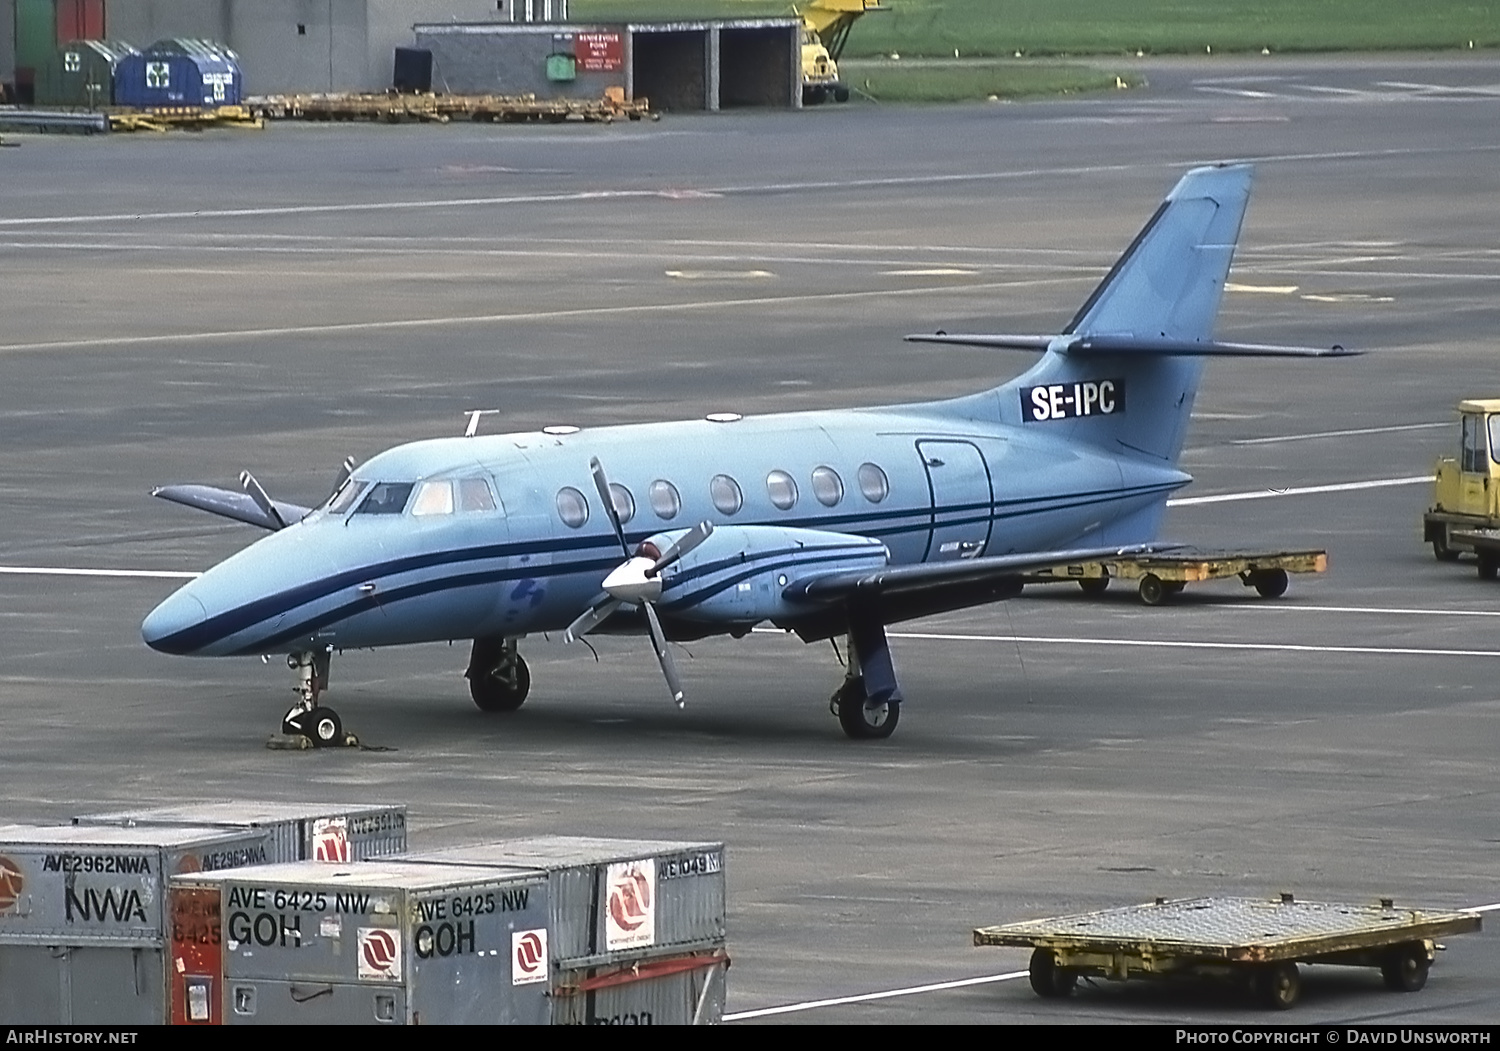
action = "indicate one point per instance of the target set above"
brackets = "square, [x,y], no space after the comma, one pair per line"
[1262,647]
[1341,434]
[488,319]
[57,571]
[865,997]
[1388,611]
[1265,494]
[1483,908]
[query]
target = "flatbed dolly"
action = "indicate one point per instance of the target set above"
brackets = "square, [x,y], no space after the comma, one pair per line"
[1161,576]
[1260,942]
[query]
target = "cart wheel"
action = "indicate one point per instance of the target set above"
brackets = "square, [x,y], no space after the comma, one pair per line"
[1405,969]
[1271,583]
[1094,586]
[1440,549]
[1153,592]
[1487,566]
[1049,980]
[1277,985]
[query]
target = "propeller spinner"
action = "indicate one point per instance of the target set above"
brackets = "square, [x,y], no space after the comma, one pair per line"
[637,581]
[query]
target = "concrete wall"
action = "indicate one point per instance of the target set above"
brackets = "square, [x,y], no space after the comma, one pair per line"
[487,60]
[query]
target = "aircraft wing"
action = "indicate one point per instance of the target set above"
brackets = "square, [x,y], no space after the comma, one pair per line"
[227,503]
[930,576]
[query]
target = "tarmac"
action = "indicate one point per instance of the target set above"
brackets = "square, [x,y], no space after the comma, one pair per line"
[180,307]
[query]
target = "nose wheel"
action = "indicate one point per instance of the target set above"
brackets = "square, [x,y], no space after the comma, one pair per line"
[307,720]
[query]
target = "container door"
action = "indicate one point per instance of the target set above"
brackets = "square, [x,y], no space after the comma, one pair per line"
[962,498]
[195,972]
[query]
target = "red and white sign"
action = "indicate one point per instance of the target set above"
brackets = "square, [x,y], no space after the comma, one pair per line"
[630,919]
[528,957]
[379,954]
[330,837]
[11,884]
[598,52]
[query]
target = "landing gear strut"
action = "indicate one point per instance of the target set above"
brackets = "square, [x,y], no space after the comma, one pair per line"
[499,679]
[868,704]
[307,718]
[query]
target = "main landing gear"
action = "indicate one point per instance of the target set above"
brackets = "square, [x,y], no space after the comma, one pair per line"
[868,704]
[498,677]
[307,718]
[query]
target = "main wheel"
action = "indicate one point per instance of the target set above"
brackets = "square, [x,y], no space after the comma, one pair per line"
[322,726]
[863,720]
[1489,566]
[1047,979]
[1094,586]
[1271,583]
[1277,985]
[1153,591]
[492,693]
[1405,969]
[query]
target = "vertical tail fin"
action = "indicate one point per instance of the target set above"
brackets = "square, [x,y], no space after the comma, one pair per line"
[1168,283]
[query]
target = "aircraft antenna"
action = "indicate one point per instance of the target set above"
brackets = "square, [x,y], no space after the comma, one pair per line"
[474,414]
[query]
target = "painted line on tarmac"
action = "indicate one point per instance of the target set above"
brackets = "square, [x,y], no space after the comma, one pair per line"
[747,189]
[835,1001]
[1301,490]
[1341,434]
[63,571]
[1379,610]
[519,316]
[1177,644]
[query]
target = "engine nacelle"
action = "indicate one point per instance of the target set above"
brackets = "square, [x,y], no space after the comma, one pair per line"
[737,575]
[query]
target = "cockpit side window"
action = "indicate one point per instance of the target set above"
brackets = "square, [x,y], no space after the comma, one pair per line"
[474,495]
[347,493]
[433,498]
[386,498]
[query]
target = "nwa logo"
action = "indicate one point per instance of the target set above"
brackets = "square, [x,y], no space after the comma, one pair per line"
[1066,401]
[113,903]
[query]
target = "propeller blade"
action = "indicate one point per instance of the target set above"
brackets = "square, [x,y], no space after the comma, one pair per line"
[262,501]
[590,619]
[346,469]
[663,655]
[601,482]
[681,546]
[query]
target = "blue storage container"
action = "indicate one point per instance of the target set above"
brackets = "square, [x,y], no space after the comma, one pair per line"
[172,73]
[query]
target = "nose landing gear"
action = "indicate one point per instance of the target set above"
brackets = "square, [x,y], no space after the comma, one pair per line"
[308,720]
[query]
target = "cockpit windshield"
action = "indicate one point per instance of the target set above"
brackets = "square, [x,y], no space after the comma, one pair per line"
[386,498]
[344,497]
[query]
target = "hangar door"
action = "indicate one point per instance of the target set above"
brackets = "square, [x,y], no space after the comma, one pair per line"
[755,67]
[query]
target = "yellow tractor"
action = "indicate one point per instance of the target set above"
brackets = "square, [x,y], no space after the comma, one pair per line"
[1467,490]
[825,30]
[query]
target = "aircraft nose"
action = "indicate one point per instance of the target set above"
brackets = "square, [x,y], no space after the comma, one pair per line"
[166,627]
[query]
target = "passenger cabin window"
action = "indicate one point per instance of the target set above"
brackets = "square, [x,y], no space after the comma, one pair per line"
[782,490]
[623,500]
[724,491]
[346,495]
[665,500]
[873,483]
[1474,453]
[572,508]
[828,487]
[386,498]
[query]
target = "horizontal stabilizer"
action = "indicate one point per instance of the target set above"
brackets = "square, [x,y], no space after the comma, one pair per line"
[1086,345]
[889,580]
[226,503]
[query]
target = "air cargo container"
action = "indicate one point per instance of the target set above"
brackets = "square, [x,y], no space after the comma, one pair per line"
[338,832]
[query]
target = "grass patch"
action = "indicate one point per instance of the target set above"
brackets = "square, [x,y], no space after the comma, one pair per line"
[905,81]
[1079,27]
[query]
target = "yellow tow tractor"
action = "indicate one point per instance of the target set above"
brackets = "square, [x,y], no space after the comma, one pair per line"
[825,30]
[1467,488]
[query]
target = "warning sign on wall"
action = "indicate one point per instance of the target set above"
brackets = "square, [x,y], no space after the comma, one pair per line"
[599,52]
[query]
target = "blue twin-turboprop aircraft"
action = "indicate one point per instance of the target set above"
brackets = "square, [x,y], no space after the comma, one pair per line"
[827,524]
